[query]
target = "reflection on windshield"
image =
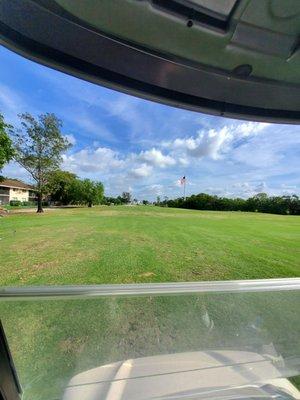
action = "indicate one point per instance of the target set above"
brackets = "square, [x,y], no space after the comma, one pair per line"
[198,345]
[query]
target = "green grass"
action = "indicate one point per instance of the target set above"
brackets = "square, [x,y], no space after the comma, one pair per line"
[52,340]
[145,244]
[20,207]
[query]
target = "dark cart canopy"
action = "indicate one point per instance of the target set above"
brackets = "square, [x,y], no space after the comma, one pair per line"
[235,58]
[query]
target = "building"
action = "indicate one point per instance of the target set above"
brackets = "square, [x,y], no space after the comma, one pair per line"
[13,189]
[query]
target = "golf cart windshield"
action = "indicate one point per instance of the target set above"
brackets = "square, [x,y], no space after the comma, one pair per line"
[234,340]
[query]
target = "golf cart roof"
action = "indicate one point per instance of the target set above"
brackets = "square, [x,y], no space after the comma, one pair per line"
[235,58]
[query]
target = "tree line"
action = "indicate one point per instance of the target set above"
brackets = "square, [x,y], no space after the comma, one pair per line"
[38,146]
[261,202]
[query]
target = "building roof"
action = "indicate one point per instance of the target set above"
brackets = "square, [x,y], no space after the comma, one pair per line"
[15,183]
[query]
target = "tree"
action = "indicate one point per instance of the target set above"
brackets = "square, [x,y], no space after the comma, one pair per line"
[59,186]
[126,197]
[92,192]
[87,192]
[6,148]
[39,145]
[293,204]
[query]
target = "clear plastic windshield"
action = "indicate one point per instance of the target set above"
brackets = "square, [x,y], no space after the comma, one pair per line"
[165,341]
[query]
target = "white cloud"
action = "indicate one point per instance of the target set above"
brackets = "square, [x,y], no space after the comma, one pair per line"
[213,143]
[250,128]
[183,161]
[288,187]
[86,160]
[156,158]
[107,161]
[249,189]
[156,190]
[151,191]
[209,143]
[143,171]
[268,152]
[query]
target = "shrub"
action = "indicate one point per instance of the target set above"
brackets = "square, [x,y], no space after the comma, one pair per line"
[28,203]
[15,203]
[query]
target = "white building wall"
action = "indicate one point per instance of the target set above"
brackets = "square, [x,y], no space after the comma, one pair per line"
[18,194]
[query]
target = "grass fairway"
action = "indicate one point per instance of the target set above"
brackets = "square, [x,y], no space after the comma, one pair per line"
[145,244]
[52,340]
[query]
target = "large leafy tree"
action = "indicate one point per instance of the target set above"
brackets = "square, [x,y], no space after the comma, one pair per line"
[6,147]
[87,192]
[39,145]
[92,192]
[60,186]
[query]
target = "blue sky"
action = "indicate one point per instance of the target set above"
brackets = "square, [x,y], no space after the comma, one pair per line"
[144,147]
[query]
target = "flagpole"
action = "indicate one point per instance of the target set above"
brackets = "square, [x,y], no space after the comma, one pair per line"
[183,182]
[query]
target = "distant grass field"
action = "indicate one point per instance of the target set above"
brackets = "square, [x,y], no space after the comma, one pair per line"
[52,340]
[145,244]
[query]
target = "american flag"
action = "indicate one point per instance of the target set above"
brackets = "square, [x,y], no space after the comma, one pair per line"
[182,180]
